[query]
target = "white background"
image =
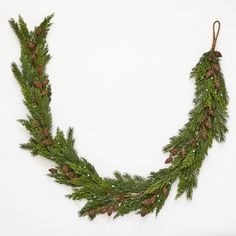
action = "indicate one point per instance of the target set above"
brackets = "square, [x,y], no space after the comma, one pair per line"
[119,74]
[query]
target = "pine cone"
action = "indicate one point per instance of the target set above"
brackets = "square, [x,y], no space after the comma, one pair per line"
[40,69]
[216,67]
[174,151]
[33,58]
[45,82]
[70,174]
[168,160]
[146,202]
[38,85]
[109,211]
[53,171]
[204,134]
[143,212]
[217,54]
[31,45]
[183,152]
[92,214]
[211,58]
[209,73]
[47,142]
[208,124]
[38,30]
[44,92]
[45,132]
[165,190]
[211,112]
[193,142]
[217,83]
[65,168]
[153,199]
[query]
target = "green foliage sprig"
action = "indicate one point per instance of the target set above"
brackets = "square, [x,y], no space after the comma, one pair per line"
[123,193]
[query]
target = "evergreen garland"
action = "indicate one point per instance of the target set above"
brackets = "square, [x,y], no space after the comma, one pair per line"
[123,193]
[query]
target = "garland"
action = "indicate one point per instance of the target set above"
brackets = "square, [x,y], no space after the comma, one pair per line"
[123,193]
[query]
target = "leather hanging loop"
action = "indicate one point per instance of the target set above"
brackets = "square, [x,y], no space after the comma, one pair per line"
[215,34]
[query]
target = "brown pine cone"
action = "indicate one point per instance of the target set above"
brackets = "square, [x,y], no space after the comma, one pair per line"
[143,212]
[31,45]
[38,30]
[209,73]
[211,58]
[183,152]
[211,112]
[217,83]
[217,54]
[53,171]
[174,151]
[216,67]
[40,69]
[92,214]
[153,199]
[204,134]
[103,210]
[165,190]
[70,174]
[208,124]
[146,202]
[168,160]
[193,142]
[47,142]
[45,132]
[65,168]
[45,82]
[38,85]
[33,58]
[44,92]
[109,211]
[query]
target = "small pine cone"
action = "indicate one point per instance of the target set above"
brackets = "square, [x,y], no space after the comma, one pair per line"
[38,85]
[70,174]
[120,199]
[44,92]
[174,151]
[38,30]
[217,83]
[168,160]
[109,211]
[217,54]
[146,202]
[31,45]
[153,199]
[40,69]
[183,152]
[208,124]
[209,73]
[165,190]
[193,142]
[65,168]
[216,67]
[143,212]
[92,214]
[47,142]
[204,134]
[115,207]
[211,58]
[45,82]
[45,132]
[33,58]
[211,112]
[53,171]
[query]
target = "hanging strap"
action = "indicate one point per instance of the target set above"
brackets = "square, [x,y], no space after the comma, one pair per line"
[215,34]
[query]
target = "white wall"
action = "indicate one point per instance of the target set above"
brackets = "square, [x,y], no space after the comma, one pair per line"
[119,74]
